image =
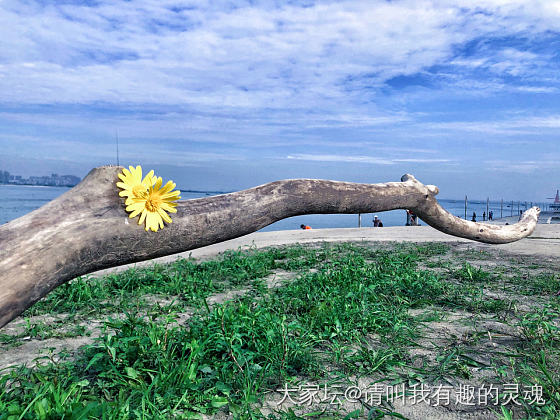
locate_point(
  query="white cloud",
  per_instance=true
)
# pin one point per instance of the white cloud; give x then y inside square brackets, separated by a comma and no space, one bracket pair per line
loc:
[275,75]
[362,159]
[527,125]
[341,158]
[253,56]
[521,166]
[416,160]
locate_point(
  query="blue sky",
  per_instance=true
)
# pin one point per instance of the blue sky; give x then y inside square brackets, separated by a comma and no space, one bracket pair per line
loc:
[226,95]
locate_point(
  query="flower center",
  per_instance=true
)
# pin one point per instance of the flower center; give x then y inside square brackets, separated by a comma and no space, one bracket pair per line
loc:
[152,204]
[139,191]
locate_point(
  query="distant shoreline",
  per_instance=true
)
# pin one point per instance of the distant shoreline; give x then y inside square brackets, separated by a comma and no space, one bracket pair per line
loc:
[34,185]
[203,192]
[72,186]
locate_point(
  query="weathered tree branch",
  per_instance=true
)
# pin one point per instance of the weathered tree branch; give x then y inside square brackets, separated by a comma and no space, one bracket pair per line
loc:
[87,229]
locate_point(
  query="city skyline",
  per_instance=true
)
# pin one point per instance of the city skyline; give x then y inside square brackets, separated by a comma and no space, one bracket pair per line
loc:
[53,180]
[223,97]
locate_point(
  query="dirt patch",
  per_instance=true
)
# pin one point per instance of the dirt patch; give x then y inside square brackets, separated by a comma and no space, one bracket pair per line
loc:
[63,335]
[225,296]
[41,351]
[278,277]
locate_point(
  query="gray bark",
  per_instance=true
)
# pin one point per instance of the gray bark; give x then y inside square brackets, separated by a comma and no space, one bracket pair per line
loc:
[87,229]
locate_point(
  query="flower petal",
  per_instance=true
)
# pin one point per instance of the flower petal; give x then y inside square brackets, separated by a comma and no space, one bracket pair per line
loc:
[152,221]
[172,194]
[164,215]
[135,206]
[148,180]
[168,187]
[135,213]
[167,207]
[143,217]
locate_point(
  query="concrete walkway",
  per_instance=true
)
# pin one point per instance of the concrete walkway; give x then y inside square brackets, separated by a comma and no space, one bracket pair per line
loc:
[544,242]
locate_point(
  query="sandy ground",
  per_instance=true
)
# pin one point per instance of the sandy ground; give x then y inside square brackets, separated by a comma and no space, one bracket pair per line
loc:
[544,242]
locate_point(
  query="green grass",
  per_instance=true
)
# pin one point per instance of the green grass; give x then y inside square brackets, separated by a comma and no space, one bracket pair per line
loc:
[468,273]
[350,316]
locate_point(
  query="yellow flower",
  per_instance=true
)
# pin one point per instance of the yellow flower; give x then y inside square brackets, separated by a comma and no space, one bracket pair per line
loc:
[153,207]
[133,186]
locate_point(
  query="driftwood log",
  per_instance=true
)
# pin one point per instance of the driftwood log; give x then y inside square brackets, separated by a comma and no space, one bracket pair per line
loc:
[87,229]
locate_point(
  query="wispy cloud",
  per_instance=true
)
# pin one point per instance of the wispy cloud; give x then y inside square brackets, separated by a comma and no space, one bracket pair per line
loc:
[416,160]
[381,83]
[506,125]
[521,166]
[362,159]
[253,55]
[339,158]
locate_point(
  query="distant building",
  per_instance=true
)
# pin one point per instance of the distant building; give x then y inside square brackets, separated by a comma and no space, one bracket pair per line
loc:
[54,180]
[4,177]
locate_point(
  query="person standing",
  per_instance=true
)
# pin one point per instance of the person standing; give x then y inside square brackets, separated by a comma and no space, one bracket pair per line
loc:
[473,216]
